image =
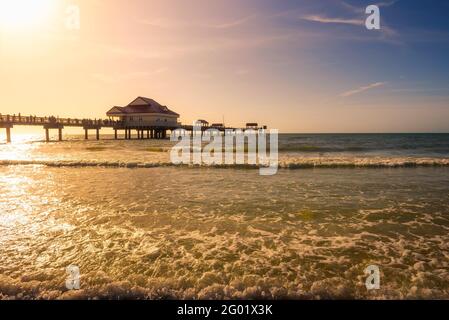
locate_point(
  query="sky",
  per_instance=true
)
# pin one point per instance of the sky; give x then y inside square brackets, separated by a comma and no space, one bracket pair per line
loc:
[294,65]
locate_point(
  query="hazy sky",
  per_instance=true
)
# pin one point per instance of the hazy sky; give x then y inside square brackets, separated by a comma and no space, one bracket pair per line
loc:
[295,65]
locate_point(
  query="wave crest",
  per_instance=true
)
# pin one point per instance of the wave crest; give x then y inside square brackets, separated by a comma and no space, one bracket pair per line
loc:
[283,164]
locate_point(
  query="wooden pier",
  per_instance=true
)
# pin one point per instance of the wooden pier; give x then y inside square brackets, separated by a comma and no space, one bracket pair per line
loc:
[55,123]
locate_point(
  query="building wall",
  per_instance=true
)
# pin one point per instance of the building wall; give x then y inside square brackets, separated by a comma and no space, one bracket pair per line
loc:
[143,120]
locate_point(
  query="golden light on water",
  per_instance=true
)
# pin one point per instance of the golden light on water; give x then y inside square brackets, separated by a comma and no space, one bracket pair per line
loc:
[20,148]
[25,15]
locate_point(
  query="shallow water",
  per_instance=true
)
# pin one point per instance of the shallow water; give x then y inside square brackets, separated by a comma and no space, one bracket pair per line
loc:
[178,232]
[217,233]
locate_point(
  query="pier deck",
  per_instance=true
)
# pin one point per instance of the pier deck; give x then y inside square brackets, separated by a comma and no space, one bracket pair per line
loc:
[152,132]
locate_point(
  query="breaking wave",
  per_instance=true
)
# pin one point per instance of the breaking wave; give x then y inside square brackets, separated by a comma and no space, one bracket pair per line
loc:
[283,164]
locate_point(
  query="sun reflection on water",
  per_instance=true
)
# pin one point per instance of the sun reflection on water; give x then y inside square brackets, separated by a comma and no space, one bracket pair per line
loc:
[21,148]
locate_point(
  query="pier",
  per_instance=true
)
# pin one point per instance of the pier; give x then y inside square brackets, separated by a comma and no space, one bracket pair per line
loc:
[53,123]
[142,130]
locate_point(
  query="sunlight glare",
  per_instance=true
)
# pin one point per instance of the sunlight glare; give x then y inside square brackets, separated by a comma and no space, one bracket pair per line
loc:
[20,15]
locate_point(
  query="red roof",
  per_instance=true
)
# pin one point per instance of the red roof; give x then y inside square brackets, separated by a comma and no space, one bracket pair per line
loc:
[144,105]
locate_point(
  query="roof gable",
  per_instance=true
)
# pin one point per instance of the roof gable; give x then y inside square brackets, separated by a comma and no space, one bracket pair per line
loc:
[142,101]
[142,105]
[115,110]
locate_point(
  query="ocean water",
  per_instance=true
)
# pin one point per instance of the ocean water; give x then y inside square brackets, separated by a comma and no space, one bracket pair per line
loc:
[139,227]
[295,151]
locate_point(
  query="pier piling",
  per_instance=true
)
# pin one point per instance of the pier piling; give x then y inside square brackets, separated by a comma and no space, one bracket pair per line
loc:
[8,135]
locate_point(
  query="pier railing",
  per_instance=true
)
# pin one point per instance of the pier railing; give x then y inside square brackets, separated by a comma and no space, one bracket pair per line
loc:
[34,120]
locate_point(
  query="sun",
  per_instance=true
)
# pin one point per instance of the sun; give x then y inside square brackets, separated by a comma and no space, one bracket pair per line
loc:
[20,15]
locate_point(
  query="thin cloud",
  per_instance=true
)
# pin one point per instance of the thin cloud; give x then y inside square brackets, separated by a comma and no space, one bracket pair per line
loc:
[361,9]
[234,23]
[167,23]
[115,78]
[322,19]
[387,32]
[386,3]
[362,89]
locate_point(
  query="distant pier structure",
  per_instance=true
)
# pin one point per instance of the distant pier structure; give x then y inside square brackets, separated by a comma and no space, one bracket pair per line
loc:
[146,117]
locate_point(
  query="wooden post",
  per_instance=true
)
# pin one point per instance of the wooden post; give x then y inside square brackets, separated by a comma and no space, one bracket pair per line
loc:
[98,134]
[60,134]
[8,135]
[47,135]
[86,134]
[148,134]
[152,134]
[115,134]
